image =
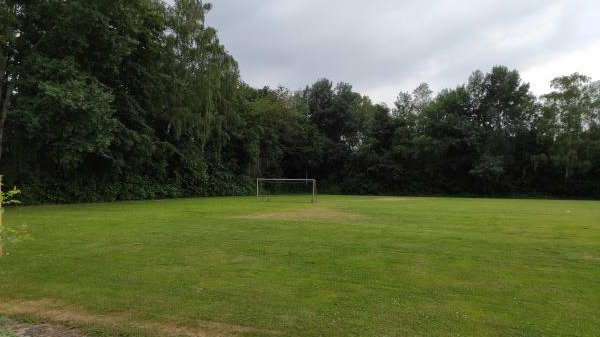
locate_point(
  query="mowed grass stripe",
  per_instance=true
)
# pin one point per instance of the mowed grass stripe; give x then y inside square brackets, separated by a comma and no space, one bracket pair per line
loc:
[365,266]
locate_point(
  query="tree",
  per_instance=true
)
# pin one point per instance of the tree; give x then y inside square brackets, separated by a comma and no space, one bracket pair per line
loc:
[204,77]
[70,115]
[280,137]
[9,34]
[372,168]
[407,104]
[319,98]
[447,141]
[502,111]
[570,117]
[342,116]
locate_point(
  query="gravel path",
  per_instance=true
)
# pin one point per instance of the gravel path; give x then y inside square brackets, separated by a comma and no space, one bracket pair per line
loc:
[37,330]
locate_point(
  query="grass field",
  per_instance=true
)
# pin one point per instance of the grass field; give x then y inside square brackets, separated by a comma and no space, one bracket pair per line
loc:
[347,266]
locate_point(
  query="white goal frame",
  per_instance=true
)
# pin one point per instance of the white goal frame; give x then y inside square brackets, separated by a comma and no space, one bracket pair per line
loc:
[312,181]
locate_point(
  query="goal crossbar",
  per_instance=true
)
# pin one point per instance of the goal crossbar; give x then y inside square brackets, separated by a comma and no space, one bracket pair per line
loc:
[312,181]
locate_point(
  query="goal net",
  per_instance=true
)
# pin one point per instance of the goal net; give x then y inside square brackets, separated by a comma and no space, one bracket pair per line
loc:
[300,190]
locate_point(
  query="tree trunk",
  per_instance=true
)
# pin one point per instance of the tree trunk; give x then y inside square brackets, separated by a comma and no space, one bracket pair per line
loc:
[7,84]
[1,223]
[4,110]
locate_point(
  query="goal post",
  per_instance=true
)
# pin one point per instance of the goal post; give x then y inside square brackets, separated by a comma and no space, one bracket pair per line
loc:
[272,187]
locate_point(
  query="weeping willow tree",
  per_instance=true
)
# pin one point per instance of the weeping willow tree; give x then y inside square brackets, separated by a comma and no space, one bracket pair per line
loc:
[204,76]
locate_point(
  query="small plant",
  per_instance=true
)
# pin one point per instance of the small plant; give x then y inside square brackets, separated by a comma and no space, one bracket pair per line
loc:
[9,235]
[6,333]
[8,198]
[4,330]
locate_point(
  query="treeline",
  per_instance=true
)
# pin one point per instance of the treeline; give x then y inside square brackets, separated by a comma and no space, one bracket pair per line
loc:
[116,100]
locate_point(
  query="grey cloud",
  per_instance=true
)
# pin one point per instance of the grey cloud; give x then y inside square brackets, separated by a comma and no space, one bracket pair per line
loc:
[382,43]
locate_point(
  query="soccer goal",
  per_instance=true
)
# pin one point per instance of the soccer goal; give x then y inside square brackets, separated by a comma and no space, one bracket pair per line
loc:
[268,189]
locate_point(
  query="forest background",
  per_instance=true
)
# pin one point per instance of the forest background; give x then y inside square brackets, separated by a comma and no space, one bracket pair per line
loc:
[120,100]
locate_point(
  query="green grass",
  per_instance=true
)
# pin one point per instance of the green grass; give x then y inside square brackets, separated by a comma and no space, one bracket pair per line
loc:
[4,332]
[347,266]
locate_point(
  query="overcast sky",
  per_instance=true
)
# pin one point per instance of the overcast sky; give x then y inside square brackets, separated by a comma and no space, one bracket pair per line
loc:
[383,47]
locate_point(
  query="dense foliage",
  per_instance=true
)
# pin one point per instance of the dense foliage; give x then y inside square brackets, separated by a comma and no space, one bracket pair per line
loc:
[113,100]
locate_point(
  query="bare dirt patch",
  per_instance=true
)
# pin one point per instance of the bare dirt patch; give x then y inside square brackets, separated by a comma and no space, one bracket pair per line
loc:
[309,213]
[39,330]
[392,199]
[60,317]
[592,258]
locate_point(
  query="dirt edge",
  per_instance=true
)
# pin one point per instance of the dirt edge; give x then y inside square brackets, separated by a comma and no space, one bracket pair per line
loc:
[62,320]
